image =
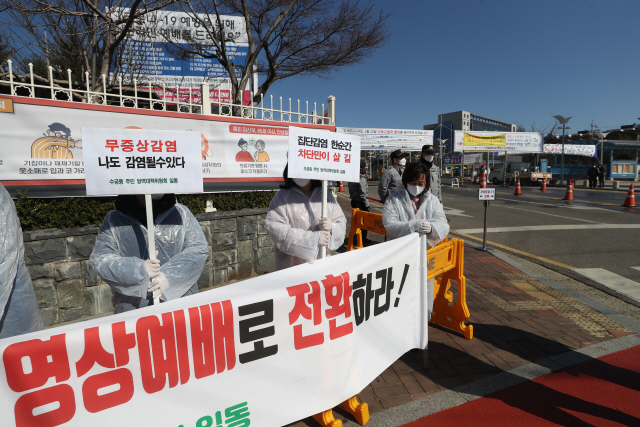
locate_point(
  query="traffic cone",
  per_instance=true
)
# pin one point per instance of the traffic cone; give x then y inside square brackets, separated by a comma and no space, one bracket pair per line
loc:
[483,181]
[630,201]
[341,189]
[543,186]
[518,191]
[569,194]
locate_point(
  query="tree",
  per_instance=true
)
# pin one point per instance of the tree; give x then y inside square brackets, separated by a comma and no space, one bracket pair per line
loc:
[63,31]
[287,38]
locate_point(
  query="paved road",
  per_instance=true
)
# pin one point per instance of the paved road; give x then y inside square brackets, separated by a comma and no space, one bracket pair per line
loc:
[592,235]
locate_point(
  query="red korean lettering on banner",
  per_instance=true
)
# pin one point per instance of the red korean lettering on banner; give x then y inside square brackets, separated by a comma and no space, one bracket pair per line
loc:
[29,365]
[337,293]
[142,146]
[301,308]
[112,143]
[126,145]
[171,146]
[156,146]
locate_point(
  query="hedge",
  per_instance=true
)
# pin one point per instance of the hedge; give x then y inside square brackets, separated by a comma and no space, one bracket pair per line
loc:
[38,214]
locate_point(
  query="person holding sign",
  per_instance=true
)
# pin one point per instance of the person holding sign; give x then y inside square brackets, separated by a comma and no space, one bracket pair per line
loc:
[121,256]
[295,223]
[19,312]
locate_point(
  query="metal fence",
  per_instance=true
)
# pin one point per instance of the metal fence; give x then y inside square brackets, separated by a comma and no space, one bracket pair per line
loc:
[137,95]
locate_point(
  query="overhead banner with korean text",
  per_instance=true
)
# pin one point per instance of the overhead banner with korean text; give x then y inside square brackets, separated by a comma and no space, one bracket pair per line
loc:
[511,142]
[391,139]
[571,149]
[41,145]
[266,351]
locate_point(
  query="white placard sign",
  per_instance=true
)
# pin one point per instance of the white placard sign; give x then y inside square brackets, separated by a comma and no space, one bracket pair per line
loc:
[571,149]
[511,142]
[322,155]
[140,161]
[486,194]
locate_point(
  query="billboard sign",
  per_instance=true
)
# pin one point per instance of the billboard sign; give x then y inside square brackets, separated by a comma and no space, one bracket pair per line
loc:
[511,142]
[571,149]
[390,139]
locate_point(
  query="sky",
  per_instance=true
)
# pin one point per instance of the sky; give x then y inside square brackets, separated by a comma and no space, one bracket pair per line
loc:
[512,60]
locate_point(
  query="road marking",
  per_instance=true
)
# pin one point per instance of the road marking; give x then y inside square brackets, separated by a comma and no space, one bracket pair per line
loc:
[454,212]
[612,281]
[510,249]
[551,228]
[545,213]
[635,268]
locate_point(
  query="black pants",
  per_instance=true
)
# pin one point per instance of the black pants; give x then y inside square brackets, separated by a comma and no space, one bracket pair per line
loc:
[358,204]
[593,182]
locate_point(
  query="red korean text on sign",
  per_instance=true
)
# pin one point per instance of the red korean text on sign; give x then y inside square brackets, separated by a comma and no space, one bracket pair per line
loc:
[337,293]
[47,359]
[302,309]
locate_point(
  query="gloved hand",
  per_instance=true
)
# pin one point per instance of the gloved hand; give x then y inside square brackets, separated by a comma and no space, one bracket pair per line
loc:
[324,238]
[324,224]
[152,267]
[424,227]
[158,285]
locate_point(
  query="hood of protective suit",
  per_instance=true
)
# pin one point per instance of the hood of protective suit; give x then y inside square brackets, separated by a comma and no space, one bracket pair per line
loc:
[400,218]
[19,313]
[121,248]
[128,204]
[292,222]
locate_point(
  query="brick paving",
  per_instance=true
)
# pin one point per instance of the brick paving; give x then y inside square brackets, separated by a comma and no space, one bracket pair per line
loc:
[516,319]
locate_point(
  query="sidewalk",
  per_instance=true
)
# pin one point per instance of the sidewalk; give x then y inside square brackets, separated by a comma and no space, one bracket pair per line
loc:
[518,320]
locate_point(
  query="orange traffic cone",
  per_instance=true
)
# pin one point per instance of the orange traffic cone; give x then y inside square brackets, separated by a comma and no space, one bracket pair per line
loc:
[630,201]
[518,191]
[483,181]
[569,194]
[543,186]
[341,189]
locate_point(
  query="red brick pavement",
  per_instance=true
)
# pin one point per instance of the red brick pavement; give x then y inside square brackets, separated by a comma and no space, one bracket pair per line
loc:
[510,330]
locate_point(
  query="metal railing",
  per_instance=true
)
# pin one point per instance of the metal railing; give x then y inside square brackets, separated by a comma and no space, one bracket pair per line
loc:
[137,95]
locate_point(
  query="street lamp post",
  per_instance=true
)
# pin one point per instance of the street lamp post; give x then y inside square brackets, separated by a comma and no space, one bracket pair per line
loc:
[563,121]
[440,144]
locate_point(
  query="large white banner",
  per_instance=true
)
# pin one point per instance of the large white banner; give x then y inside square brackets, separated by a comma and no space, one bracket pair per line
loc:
[41,143]
[317,154]
[391,139]
[267,351]
[137,161]
[511,142]
[571,149]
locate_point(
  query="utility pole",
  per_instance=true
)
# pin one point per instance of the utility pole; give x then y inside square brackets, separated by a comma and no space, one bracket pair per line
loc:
[94,44]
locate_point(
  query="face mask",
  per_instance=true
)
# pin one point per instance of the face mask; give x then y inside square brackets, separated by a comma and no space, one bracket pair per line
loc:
[157,196]
[244,148]
[402,162]
[414,190]
[301,182]
[429,158]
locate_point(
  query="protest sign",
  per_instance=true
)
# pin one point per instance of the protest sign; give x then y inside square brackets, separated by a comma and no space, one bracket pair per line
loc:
[322,155]
[511,142]
[139,161]
[266,351]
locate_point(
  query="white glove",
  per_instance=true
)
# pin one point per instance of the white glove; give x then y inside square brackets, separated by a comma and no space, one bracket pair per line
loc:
[324,224]
[324,238]
[152,267]
[158,285]
[424,227]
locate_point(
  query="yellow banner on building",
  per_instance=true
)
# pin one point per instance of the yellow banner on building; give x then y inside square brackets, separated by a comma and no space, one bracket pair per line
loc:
[485,140]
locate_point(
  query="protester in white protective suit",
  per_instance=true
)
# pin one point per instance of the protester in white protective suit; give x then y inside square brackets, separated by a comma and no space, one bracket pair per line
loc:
[121,253]
[19,312]
[413,209]
[295,223]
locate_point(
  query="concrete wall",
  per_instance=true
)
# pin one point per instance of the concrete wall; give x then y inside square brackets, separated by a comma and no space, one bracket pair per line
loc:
[68,289]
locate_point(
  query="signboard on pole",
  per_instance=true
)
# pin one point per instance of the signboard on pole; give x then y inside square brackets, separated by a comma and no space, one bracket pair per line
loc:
[511,142]
[322,155]
[390,139]
[140,161]
[486,194]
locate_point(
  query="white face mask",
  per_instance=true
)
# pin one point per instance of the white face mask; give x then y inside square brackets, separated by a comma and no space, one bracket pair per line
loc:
[429,158]
[157,196]
[402,162]
[301,182]
[414,190]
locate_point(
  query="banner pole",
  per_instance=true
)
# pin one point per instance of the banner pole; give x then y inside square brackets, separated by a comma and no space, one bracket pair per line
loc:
[323,249]
[151,233]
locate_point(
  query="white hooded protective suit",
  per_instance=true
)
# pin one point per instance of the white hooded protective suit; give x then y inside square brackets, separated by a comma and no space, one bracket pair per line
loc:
[121,248]
[292,222]
[19,312]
